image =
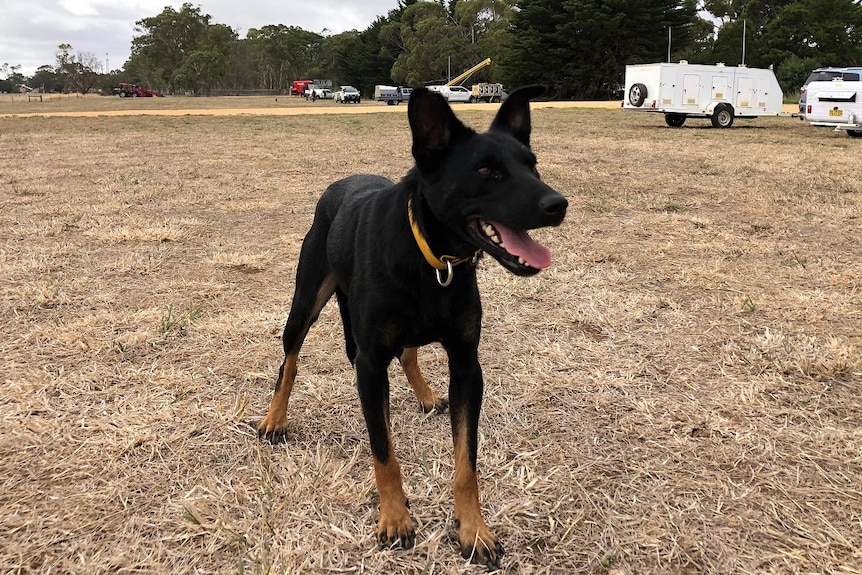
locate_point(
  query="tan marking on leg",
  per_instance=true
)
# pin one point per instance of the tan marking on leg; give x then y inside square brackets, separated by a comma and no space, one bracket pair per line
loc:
[327,288]
[273,426]
[395,525]
[475,538]
[275,421]
[426,396]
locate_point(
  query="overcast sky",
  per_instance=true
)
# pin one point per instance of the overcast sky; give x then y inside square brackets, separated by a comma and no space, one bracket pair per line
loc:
[31,30]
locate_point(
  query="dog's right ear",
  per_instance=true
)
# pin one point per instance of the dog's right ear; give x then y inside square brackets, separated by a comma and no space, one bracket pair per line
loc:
[434,126]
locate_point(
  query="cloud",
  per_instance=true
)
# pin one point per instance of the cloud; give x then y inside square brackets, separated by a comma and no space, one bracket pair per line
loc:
[31,31]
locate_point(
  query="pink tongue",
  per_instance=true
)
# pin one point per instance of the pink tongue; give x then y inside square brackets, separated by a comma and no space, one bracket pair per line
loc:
[521,244]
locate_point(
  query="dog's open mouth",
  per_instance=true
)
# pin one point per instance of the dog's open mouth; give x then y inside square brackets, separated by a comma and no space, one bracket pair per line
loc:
[515,249]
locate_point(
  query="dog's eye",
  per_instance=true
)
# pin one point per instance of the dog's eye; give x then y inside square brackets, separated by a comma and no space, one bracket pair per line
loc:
[487,172]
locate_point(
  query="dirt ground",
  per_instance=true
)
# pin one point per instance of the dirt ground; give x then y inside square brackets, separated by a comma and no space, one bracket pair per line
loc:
[678,393]
[81,107]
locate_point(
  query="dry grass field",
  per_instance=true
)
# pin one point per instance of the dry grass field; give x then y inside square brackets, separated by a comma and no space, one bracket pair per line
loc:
[680,393]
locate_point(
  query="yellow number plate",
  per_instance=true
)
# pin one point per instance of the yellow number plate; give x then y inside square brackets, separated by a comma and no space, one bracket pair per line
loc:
[836,112]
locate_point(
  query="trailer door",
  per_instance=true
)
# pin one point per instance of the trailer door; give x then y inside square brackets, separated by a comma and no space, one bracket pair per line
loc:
[745,97]
[690,89]
[719,88]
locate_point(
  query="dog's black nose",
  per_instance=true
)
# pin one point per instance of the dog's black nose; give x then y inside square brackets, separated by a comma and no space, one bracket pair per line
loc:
[554,205]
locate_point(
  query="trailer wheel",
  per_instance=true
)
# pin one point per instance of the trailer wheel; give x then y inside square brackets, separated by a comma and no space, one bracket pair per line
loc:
[637,95]
[674,120]
[722,117]
[854,133]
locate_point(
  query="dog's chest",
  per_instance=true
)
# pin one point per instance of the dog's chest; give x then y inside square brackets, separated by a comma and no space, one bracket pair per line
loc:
[436,314]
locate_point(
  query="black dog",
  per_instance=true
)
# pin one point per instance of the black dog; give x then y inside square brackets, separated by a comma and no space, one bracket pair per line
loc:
[401,258]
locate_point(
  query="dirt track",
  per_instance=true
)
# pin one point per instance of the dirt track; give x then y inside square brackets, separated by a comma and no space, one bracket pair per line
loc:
[315,110]
[292,111]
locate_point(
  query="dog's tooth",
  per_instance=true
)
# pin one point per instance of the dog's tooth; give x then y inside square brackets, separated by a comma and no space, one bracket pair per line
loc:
[495,239]
[521,260]
[489,230]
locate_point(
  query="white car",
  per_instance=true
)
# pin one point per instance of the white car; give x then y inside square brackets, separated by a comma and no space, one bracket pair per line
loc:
[453,93]
[348,94]
[313,93]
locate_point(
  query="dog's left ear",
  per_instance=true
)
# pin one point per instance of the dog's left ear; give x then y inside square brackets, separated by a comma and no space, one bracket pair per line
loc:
[435,127]
[514,115]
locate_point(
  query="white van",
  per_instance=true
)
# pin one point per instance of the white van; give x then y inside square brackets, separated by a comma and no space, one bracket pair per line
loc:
[835,104]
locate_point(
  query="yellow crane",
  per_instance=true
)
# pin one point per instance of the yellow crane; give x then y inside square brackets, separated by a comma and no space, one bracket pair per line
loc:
[468,73]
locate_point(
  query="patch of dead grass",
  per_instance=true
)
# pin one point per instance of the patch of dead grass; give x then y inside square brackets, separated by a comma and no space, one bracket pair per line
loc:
[678,393]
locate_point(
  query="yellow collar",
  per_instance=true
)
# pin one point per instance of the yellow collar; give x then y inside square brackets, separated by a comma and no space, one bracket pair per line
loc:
[441,263]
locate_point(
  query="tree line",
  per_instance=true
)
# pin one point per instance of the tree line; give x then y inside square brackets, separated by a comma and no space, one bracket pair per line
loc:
[579,48]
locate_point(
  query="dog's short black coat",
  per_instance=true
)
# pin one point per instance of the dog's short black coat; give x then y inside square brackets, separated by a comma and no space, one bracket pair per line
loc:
[400,258]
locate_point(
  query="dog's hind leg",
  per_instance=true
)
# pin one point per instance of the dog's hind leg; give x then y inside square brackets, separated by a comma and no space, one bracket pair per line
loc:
[314,286]
[428,400]
[349,342]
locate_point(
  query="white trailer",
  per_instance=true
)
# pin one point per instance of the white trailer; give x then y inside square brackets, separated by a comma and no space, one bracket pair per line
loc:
[392,95]
[835,105]
[720,93]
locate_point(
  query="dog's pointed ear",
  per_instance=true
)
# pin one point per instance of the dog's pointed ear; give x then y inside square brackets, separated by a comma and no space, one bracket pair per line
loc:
[514,115]
[434,126]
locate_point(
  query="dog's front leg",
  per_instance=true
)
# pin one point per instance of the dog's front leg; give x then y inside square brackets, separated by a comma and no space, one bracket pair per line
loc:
[465,403]
[395,525]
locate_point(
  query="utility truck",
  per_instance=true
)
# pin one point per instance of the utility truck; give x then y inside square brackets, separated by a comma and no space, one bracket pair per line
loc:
[392,95]
[299,87]
[488,92]
[720,93]
[835,104]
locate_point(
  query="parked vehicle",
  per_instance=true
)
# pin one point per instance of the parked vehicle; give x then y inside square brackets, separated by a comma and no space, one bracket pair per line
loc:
[392,95]
[453,93]
[487,92]
[126,90]
[299,87]
[827,74]
[835,104]
[720,93]
[348,94]
[317,93]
